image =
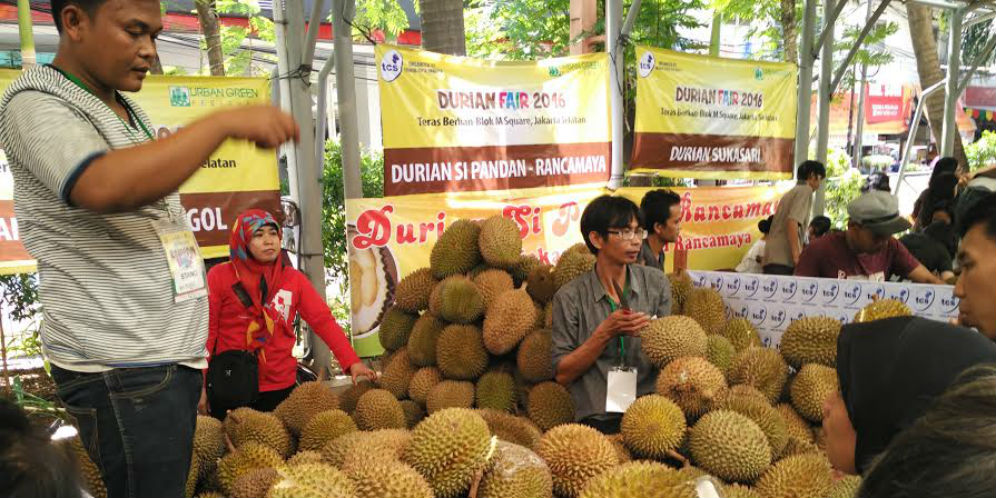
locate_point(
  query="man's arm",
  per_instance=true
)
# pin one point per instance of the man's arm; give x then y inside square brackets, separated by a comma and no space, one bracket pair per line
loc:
[579,361]
[792,232]
[125,179]
[922,275]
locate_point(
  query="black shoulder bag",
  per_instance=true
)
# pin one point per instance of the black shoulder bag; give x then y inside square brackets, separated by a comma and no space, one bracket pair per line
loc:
[233,375]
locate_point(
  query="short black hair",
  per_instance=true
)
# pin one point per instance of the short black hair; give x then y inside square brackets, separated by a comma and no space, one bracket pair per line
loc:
[877,181]
[820,225]
[810,168]
[765,225]
[656,207]
[607,212]
[88,6]
[982,211]
[30,464]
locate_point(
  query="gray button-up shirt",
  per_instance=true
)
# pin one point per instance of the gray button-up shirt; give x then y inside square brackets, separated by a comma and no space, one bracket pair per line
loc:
[650,258]
[580,306]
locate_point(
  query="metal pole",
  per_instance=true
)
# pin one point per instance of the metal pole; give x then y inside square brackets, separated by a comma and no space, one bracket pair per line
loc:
[912,132]
[833,18]
[283,90]
[805,90]
[314,24]
[321,107]
[859,138]
[717,29]
[24,27]
[857,44]
[951,84]
[613,29]
[345,87]
[825,92]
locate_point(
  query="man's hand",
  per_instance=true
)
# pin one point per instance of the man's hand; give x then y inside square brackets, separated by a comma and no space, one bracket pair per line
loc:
[359,369]
[265,125]
[202,405]
[625,322]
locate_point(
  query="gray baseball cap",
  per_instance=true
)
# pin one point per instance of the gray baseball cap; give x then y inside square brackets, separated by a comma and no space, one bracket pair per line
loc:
[878,211]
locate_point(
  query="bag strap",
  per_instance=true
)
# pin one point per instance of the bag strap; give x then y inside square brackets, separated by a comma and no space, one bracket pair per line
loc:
[242,294]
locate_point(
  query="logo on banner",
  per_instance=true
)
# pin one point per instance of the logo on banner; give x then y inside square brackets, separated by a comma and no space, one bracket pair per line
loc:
[924,299]
[769,288]
[732,286]
[788,289]
[179,96]
[717,283]
[751,285]
[758,315]
[852,293]
[900,294]
[830,289]
[758,74]
[647,63]
[949,302]
[391,65]
[777,316]
[743,313]
[877,292]
[810,290]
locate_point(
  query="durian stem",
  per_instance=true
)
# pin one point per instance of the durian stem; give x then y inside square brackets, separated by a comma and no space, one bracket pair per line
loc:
[476,483]
[228,444]
[678,456]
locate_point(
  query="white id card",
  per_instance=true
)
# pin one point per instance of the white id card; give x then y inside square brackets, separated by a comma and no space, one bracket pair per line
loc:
[184,259]
[621,389]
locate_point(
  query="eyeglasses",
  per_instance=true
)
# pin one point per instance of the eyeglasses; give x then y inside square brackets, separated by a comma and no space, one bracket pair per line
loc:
[629,234]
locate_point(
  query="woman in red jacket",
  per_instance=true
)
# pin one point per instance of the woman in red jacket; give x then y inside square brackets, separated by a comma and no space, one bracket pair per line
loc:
[261,318]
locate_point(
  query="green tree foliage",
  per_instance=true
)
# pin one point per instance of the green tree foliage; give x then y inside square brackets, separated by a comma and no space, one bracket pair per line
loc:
[380,15]
[843,184]
[982,152]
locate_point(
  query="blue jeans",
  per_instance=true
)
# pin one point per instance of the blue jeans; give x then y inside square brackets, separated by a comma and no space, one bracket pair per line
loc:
[137,424]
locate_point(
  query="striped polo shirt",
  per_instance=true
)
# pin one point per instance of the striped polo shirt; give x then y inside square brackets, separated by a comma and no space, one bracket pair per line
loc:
[105,286]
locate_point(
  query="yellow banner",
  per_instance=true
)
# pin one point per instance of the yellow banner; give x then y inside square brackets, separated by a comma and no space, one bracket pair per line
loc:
[455,123]
[238,176]
[392,237]
[708,117]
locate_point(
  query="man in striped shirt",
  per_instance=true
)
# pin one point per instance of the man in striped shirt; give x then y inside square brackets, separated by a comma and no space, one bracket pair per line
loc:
[125,319]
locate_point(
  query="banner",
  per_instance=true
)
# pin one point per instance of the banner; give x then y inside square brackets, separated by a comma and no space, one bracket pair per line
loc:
[392,237]
[238,176]
[708,117]
[461,124]
[772,302]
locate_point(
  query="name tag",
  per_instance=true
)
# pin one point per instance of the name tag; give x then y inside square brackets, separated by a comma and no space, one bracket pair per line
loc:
[186,267]
[621,389]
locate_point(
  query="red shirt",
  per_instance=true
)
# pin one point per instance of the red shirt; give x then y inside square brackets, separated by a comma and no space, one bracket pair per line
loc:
[830,257]
[229,320]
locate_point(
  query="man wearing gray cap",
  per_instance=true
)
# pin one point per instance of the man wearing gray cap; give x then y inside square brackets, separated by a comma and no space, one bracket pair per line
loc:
[867,250]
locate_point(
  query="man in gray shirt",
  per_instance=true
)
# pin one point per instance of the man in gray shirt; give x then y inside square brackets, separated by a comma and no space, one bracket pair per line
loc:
[661,212]
[788,227]
[594,327]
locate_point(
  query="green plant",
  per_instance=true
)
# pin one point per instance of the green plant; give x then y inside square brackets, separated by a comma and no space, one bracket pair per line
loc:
[876,162]
[982,152]
[843,184]
[19,297]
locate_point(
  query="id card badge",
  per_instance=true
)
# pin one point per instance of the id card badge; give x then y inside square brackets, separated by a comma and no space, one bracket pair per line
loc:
[621,389]
[186,267]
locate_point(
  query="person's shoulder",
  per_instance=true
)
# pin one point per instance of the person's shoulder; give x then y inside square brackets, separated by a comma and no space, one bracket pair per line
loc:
[576,287]
[650,276]
[220,271]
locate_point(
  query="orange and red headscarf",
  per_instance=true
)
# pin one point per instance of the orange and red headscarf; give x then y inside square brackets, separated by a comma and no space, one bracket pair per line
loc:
[260,280]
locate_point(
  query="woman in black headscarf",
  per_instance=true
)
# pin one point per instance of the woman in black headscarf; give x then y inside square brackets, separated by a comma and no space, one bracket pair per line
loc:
[889,372]
[940,188]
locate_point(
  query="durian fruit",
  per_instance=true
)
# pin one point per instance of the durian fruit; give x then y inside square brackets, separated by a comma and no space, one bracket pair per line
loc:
[526,264]
[508,427]
[762,368]
[730,446]
[209,494]
[691,382]
[412,293]
[671,337]
[458,299]
[739,491]
[243,460]
[245,424]
[351,395]
[740,391]
[798,476]
[534,357]
[763,414]
[681,288]
[414,413]
[844,487]
[720,352]
[477,270]
[882,308]
[499,242]
[209,444]
[255,484]
[811,387]
[325,427]
[422,382]
[573,262]
[811,339]
[379,409]
[460,352]
[820,439]
[540,284]
[450,394]
[395,328]
[423,340]
[706,306]
[741,333]
[313,480]
[388,479]
[192,472]
[306,456]
[456,250]
[516,472]
[398,374]
[511,317]
[549,405]
[496,390]
[89,473]
[653,427]
[304,402]
[641,479]
[449,448]
[361,447]
[621,450]
[575,453]
[491,284]
[797,446]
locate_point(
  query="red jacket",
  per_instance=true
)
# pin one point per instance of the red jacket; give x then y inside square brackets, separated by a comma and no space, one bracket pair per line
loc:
[230,319]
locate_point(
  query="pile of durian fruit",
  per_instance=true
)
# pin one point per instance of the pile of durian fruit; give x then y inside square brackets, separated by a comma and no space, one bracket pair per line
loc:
[467,406]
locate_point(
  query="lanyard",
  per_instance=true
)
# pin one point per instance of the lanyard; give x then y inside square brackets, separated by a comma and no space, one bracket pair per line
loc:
[131,114]
[622,340]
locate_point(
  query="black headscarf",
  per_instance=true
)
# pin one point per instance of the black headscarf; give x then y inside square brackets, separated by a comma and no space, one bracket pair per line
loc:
[890,371]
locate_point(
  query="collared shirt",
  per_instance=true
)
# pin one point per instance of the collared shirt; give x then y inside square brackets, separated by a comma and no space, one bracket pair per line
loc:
[796,205]
[580,306]
[830,257]
[650,258]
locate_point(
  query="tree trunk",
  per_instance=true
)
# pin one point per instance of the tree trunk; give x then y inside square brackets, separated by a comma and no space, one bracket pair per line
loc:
[790,38]
[442,26]
[929,68]
[207,16]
